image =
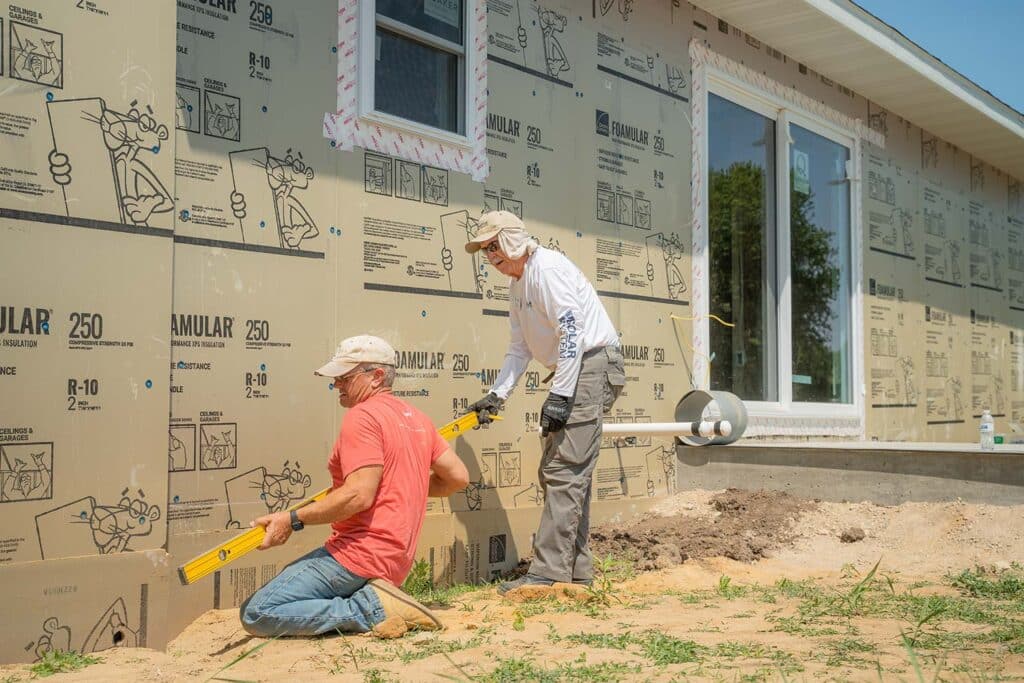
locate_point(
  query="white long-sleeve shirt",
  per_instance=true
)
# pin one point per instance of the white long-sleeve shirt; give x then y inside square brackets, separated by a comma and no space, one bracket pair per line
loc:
[556,317]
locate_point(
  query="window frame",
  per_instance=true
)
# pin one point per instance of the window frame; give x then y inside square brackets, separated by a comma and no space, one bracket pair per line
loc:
[813,417]
[367,112]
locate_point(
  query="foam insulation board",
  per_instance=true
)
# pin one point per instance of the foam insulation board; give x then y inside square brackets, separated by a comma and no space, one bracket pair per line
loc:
[86,213]
[180,247]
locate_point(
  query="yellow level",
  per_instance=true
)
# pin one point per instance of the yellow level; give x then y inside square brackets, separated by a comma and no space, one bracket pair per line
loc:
[217,557]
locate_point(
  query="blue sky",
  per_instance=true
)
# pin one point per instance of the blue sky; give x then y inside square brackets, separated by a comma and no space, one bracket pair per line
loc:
[980,39]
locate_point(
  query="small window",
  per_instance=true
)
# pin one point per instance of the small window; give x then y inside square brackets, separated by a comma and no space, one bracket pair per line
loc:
[419,66]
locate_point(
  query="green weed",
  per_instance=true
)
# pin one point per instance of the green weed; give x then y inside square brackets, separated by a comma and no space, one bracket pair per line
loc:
[420,585]
[60,661]
[1008,586]
[377,676]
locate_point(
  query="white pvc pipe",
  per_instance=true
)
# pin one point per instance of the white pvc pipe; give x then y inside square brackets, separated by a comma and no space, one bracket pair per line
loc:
[704,429]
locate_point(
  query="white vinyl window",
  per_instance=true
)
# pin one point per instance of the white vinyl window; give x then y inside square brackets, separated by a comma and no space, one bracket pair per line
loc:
[413,74]
[783,255]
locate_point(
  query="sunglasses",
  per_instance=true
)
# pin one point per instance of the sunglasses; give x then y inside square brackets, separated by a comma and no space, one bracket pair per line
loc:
[493,247]
[341,379]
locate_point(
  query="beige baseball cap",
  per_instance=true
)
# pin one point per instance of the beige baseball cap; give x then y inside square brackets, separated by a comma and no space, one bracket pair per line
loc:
[490,224]
[363,348]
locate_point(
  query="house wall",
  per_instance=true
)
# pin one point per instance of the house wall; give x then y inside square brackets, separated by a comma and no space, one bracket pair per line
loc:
[262,246]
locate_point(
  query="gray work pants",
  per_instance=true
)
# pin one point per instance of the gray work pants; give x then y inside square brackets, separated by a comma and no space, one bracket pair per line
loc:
[560,549]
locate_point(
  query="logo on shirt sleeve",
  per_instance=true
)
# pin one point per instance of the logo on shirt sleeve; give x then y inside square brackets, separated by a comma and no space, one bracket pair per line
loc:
[568,342]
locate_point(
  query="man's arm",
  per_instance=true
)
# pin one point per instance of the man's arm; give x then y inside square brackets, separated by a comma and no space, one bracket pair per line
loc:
[448,474]
[563,306]
[517,358]
[355,495]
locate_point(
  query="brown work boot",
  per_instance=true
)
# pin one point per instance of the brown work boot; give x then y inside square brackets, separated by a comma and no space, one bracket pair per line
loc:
[397,602]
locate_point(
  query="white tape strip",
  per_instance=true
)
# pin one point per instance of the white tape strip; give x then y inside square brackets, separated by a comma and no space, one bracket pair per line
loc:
[343,126]
[699,52]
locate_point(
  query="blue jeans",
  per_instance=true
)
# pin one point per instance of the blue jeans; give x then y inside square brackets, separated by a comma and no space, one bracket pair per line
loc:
[315,594]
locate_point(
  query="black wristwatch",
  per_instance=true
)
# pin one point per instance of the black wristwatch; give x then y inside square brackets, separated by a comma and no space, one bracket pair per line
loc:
[297,524]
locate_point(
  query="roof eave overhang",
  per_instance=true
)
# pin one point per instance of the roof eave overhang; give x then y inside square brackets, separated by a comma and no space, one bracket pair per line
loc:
[848,45]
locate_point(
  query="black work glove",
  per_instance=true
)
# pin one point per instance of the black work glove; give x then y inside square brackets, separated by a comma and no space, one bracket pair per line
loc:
[554,414]
[486,407]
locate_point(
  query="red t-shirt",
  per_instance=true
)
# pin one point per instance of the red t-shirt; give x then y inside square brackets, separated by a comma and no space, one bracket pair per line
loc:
[383,430]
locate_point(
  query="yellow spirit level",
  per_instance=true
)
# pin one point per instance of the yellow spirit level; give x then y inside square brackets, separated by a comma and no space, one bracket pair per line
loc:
[215,558]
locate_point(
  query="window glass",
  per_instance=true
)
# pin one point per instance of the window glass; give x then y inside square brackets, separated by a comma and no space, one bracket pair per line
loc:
[741,232]
[820,268]
[442,18]
[416,82]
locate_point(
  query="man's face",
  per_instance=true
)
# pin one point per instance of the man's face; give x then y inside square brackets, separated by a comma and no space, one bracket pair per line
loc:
[499,259]
[357,385]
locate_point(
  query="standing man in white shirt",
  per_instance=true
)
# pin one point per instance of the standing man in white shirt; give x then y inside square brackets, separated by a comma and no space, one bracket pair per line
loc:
[557,319]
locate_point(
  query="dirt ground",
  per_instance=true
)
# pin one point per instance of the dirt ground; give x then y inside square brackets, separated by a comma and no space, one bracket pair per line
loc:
[714,586]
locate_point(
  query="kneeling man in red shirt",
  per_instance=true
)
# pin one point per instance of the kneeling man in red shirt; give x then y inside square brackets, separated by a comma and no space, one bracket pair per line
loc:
[387,460]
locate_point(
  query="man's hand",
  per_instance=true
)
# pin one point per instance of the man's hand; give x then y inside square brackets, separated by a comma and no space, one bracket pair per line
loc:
[486,407]
[554,414]
[278,527]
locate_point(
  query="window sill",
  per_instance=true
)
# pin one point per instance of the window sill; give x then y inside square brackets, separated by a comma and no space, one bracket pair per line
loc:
[404,126]
[845,421]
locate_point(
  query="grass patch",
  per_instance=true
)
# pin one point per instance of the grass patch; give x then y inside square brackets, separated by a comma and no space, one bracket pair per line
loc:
[59,661]
[1006,586]
[782,661]
[608,641]
[932,623]
[377,676]
[728,590]
[420,585]
[659,648]
[421,649]
[517,669]
[843,652]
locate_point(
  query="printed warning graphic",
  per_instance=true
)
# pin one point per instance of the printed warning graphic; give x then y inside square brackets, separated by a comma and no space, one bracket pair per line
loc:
[1015,261]
[36,55]
[986,246]
[988,386]
[890,212]
[501,469]
[88,527]
[100,160]
[181,448]
[423,259]
[222,116]
[218,446]
[651,270]
[627,61]
[661,471]
[388,177]
[267,198]
[944,388]
[893,372]
[26,472]
[112,629]
[944,248]
[532,37]
[187,109]
[270,491]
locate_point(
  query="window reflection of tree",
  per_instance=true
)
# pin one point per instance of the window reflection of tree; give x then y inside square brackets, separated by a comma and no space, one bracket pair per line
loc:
[739,287]
[814,277]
